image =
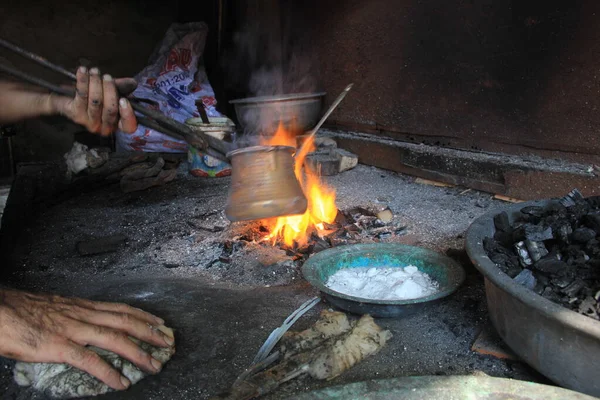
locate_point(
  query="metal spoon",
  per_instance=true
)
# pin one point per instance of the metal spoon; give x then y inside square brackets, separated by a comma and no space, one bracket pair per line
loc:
[324,117]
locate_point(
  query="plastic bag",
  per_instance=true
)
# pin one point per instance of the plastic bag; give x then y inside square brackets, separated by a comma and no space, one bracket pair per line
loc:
[175,81]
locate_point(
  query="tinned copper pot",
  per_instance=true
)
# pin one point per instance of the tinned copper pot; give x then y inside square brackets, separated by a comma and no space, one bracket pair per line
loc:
[263,184]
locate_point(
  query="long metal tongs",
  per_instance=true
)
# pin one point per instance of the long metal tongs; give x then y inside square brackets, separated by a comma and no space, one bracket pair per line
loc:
[155,119]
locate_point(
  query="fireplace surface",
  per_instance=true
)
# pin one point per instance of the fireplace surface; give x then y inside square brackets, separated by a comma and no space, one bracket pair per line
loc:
[222,310]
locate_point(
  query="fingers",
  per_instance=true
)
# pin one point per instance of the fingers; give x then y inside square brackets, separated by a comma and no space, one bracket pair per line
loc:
[82,93]
[115,341]
[110,111]
[121,308]
[128,122]
[90,362]
[95,100]
[129,324]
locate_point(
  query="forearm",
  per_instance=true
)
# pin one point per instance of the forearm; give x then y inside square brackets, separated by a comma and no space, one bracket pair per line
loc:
[17,103]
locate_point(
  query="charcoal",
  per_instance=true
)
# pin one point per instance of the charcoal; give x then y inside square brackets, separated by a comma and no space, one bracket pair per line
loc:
[563,231]
[523,254]
[574,197]
[535,233]
[320,245]
[583,235]
[500,259]
[340,219]
[526,279]
[504,238]
[592,221]
[502,222]
[563,281]
[592,248]
[551,265]
[593,201]
[551,295]
[574,288]
[543,278]
[536,250]
[513,269]
[539,287]
[534,211]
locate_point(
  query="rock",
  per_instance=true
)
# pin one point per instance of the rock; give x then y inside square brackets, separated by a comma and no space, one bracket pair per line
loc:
[323,164]
[347,160]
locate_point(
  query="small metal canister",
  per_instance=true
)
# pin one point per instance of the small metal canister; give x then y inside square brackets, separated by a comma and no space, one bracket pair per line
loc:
[263,184]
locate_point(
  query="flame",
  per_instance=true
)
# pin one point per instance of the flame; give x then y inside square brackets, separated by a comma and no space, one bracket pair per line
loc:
[321,198]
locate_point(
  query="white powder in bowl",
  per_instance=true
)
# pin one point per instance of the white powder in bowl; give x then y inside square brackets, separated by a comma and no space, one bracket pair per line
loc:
[383,283]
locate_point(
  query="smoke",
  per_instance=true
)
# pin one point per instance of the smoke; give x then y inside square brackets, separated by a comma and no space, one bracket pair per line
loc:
[267,60]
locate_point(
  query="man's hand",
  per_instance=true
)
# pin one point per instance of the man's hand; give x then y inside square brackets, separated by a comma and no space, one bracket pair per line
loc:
[54,329]
[97,105]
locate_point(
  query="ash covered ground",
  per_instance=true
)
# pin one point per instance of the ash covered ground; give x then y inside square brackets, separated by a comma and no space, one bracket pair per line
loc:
[175,235]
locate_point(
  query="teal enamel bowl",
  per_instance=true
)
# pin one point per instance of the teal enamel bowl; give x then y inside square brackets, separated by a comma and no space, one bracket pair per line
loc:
[446,272]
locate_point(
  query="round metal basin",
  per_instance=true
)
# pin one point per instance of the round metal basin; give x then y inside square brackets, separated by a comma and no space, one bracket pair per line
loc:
[318,268]
[297,112]
[443,388]
[561,344]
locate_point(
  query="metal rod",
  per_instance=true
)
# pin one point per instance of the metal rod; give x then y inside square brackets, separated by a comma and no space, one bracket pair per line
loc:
[36,81]
[324,117]
[197,139]
[38,59]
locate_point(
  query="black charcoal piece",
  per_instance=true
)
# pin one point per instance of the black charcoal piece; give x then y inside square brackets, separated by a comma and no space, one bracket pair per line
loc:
[539,287]
[551,295]
[523,254]
[535,211]
[592,221]
[574,288]
[502,222]
[572,198]
[593,201]
[592,248]
[563,281]
[536,250]
[504,238]
[525,278]
[583,235]
[551,266]
[513,270]
[320,245]
[563,232]
[535,233]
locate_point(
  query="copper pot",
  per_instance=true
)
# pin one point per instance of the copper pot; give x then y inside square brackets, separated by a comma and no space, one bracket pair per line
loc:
[263,184]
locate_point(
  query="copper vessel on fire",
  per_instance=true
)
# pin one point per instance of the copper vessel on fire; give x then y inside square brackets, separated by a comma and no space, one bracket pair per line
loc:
[263,184]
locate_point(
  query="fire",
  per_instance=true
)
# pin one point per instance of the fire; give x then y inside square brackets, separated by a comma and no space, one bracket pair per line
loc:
[321,198]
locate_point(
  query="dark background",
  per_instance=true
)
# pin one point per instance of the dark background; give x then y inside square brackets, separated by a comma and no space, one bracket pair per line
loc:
[512,76]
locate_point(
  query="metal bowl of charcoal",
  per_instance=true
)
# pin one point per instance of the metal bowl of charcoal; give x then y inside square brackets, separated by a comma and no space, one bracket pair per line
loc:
[382,279]
[541,262]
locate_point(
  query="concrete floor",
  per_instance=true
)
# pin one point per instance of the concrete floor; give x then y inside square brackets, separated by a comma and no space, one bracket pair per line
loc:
[223,312]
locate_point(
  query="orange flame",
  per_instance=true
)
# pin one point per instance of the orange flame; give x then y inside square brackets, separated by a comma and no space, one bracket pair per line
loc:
[321,198]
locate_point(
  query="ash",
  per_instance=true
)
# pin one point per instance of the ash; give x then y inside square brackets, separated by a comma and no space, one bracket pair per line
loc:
[180,230]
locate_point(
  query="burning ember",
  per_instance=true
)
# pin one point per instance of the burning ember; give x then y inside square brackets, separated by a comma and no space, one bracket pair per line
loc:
[321,198]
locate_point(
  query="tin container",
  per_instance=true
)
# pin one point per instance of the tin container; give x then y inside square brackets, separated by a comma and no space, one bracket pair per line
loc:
[263,184]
